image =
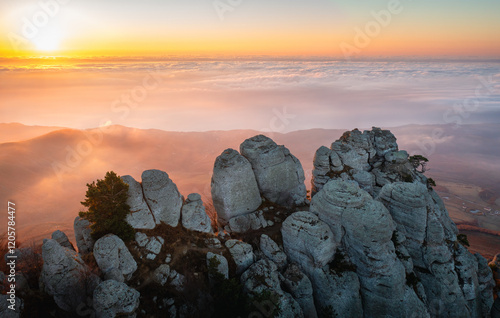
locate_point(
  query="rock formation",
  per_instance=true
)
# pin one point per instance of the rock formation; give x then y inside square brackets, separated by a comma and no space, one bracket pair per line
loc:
[65,276]
[194,216]
[83,238]
[112,299]
[375,241]
[62,239]
[242,254]
[111,253]
[140,216]
[264,276]
[234,188]
[396,231]
[162,197]
[279,174]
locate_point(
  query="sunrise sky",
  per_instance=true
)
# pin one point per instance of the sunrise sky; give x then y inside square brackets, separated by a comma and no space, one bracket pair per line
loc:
[247,27]
[107,49]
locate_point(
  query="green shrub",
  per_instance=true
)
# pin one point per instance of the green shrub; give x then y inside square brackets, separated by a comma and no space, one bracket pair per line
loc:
[408,178]
[106,201]
[431,182]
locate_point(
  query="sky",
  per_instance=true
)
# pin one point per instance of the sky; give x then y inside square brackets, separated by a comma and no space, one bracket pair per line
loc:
[278,65]
[244,27]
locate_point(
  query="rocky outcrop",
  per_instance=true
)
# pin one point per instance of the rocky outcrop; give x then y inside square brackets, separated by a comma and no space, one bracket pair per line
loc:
[368,230]
[279,174]
[376,241]
[355,150]
[83,237]
[112,299]
[272,251]
[161,274]
[111,253]
[263,276]
[397,232]
[300,287]
[65,276]
[242,254]
[140,216]
[150,247]
[234,187]
[162,197]
[248,222]
[336,294]
[61,238]
[194,217]
[307,240]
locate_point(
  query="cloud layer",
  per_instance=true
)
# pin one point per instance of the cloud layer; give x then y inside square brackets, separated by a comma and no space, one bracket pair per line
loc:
[274,95]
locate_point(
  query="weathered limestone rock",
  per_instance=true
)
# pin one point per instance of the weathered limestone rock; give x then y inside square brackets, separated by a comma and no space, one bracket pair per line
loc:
[354,154]
[162,197]
[154,247]
[301,289]
[194,217]
[355,149]
[242,254]
[161,274]
[279,174]
[61,238]
[365,180]
[407,203]
[263,276]
[110,253]
[272,251]
[368,230]
[307,240]
[251,221]
[65,276]
[337,294]
[467,267]
[329,204]
[83,237]
[234,187]
[322,169]
[112,299]
[140,216]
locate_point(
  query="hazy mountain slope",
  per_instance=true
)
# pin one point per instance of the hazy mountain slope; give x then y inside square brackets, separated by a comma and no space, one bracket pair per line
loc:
[12,132]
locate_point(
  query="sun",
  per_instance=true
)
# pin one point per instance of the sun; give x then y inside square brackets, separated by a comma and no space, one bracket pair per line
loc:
[47,42]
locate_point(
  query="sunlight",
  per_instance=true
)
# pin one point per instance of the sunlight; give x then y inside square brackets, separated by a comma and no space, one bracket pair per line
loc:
[47,42]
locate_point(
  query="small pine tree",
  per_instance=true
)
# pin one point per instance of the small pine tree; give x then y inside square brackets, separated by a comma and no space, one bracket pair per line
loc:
[106,201]
[419,160]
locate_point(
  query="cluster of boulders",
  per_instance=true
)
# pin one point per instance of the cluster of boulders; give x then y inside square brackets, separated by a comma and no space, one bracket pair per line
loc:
[262,170]
[374,241]
[157,200]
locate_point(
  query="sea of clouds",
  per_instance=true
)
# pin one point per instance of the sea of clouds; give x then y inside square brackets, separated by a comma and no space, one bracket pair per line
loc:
[200,95]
